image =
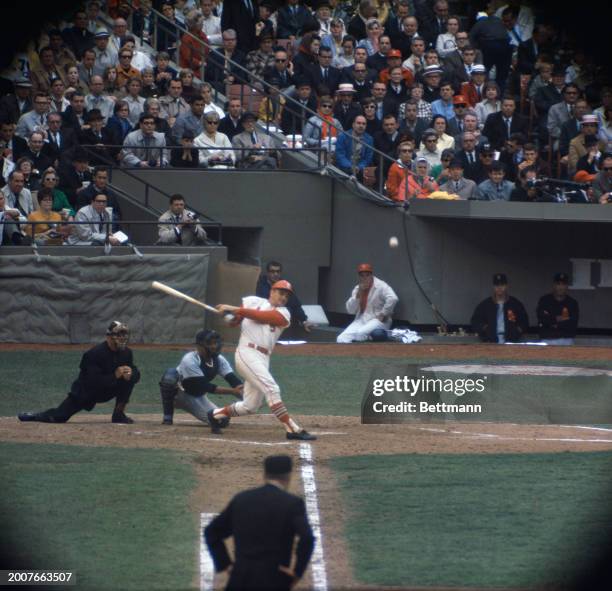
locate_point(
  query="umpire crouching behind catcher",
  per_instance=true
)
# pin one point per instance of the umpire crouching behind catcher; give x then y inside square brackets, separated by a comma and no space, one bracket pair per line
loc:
[107,372]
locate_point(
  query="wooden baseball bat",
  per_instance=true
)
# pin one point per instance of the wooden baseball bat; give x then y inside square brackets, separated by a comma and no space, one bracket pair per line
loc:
[183,296]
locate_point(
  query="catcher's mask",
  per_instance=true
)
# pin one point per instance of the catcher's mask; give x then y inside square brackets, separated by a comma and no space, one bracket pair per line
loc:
[119,333]
[211,340]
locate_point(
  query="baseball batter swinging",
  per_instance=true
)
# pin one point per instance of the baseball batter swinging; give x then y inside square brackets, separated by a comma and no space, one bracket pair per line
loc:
[188,385]
[262,322]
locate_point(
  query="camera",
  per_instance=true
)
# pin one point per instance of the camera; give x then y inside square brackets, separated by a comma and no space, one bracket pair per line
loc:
[559,191]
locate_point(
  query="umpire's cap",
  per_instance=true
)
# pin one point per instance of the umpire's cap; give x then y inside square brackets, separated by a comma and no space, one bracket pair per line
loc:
[500,279]
[277,465]
[282,284]
[561,278]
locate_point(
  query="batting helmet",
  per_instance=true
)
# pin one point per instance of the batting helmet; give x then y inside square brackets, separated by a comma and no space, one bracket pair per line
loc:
[210,339]
[283,284]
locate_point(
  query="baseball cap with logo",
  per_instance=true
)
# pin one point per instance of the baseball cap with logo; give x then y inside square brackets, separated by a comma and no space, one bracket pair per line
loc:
[459,99]
[101,34]
[394,53]
[432,70]
[500,279]
[365,268]
[582,176]
[478,69]
[561,278]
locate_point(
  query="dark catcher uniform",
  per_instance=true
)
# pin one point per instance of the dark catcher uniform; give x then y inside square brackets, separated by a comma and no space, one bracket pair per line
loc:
[96,383]
[549,308]
[490,324]
[264,522]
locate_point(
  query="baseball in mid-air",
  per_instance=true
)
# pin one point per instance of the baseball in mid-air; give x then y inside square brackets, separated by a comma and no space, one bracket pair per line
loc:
[393,242]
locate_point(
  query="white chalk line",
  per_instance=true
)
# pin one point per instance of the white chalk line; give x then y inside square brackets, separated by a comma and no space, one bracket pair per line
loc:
[319,574]
[207,567]
[582,427]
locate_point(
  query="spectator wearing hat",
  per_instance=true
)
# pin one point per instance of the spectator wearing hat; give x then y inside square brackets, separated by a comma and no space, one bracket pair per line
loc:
[578,148]
[254,149]
[474,89]
[295,114]
[97,139]
[261,59]
[602,183]
[264,539]
[456,183]
[106,55]
[432,77]
[500,318]
[558,313]
[346,109]
[13,106]
[496,188]
[354,149]
[372,301]
[500,126]
[394,60]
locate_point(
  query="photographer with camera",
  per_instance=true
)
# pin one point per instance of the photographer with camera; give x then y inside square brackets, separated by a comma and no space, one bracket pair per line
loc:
[526,189]
[602,183]
[184,230]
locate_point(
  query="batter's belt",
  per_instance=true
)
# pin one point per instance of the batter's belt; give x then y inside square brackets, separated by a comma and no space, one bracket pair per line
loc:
[258,348]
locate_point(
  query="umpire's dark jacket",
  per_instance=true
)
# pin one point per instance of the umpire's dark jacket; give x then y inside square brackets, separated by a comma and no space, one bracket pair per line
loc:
[484,320]
[97,381]
[264,522]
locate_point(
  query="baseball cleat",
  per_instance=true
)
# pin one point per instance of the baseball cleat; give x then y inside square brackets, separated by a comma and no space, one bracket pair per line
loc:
[120,417]
[301,435]
[27,416]
[215,425]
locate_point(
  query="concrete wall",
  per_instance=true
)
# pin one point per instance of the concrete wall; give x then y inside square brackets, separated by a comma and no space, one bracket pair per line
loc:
[321,231]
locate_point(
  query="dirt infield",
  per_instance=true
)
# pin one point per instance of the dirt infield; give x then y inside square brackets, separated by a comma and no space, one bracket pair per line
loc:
[228,463]
[448,351]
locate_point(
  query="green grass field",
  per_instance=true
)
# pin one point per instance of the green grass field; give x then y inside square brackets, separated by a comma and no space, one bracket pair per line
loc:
[475,520]
[310,385]
[117,517]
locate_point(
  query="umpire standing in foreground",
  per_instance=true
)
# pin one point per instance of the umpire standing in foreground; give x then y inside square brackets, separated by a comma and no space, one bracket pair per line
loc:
[107,371]
[264,522]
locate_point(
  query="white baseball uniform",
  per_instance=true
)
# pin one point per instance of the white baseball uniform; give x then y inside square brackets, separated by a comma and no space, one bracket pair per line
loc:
[381,301]
[257,340]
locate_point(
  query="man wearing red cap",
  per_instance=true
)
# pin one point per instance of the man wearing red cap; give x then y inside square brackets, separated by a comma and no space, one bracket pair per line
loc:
[394,60]
[261,324]
[372,301]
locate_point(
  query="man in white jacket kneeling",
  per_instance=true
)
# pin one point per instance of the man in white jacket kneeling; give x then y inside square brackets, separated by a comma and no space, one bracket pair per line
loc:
[372,301]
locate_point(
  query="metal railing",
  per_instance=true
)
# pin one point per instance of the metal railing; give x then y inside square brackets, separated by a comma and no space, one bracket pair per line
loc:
[62,230]
[250,79]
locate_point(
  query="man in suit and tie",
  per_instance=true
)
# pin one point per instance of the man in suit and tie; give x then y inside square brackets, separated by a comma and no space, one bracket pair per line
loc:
[74,116]
[469,157]
[77,37]
[99,186]
[294,20]
[97,137]
[13,106]
[36,119]
[323,74]
[264,522]
[529,51]
[394,25]
[94,232]
[571,128]
[500,126]
[230,125]
[12,145]
[40,161]
[282,70]
[457,184]
[561,112]
[60,142]
[253,148]
[87,67]
[241,16]
[219,70]
[295,115]
[432,27]
[144,148]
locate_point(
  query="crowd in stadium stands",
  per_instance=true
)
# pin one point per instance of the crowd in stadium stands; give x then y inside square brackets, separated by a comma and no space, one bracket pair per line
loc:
[409,99]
